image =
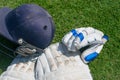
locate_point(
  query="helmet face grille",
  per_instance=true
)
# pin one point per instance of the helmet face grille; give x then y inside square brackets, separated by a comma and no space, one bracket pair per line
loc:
[32,23]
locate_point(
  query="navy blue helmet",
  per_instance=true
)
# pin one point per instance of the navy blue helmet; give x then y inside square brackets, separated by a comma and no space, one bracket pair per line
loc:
[30,22]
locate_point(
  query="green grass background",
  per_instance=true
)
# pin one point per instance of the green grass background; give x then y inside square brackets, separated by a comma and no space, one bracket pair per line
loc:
[69,14]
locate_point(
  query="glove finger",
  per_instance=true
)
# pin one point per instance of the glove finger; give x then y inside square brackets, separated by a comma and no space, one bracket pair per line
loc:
[89,30]
[80,38]
[71,42]
[99,32]
[79,44]
[94,34]
[99,48]
[83,32]
[91,53]
[93,37]
[101,36]
[66,38]
[79,30]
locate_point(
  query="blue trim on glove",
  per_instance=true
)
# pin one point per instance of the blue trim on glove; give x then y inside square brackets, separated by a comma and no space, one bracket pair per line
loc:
[105,37]
[91,56]
[80,35]
[74,32]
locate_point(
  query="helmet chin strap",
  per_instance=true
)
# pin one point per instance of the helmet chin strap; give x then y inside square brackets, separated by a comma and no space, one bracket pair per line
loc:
[26,49]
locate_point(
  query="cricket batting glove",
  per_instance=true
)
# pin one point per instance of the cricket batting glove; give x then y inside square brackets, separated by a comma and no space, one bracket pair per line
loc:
[88,40]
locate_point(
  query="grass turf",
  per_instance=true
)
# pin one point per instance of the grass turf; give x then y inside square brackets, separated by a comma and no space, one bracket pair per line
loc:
[69,14]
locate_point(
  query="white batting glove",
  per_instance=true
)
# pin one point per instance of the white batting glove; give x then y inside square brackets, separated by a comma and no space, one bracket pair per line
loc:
[89,39]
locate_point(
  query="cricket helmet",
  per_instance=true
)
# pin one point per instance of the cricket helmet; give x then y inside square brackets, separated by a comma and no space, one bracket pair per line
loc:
[30,22]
